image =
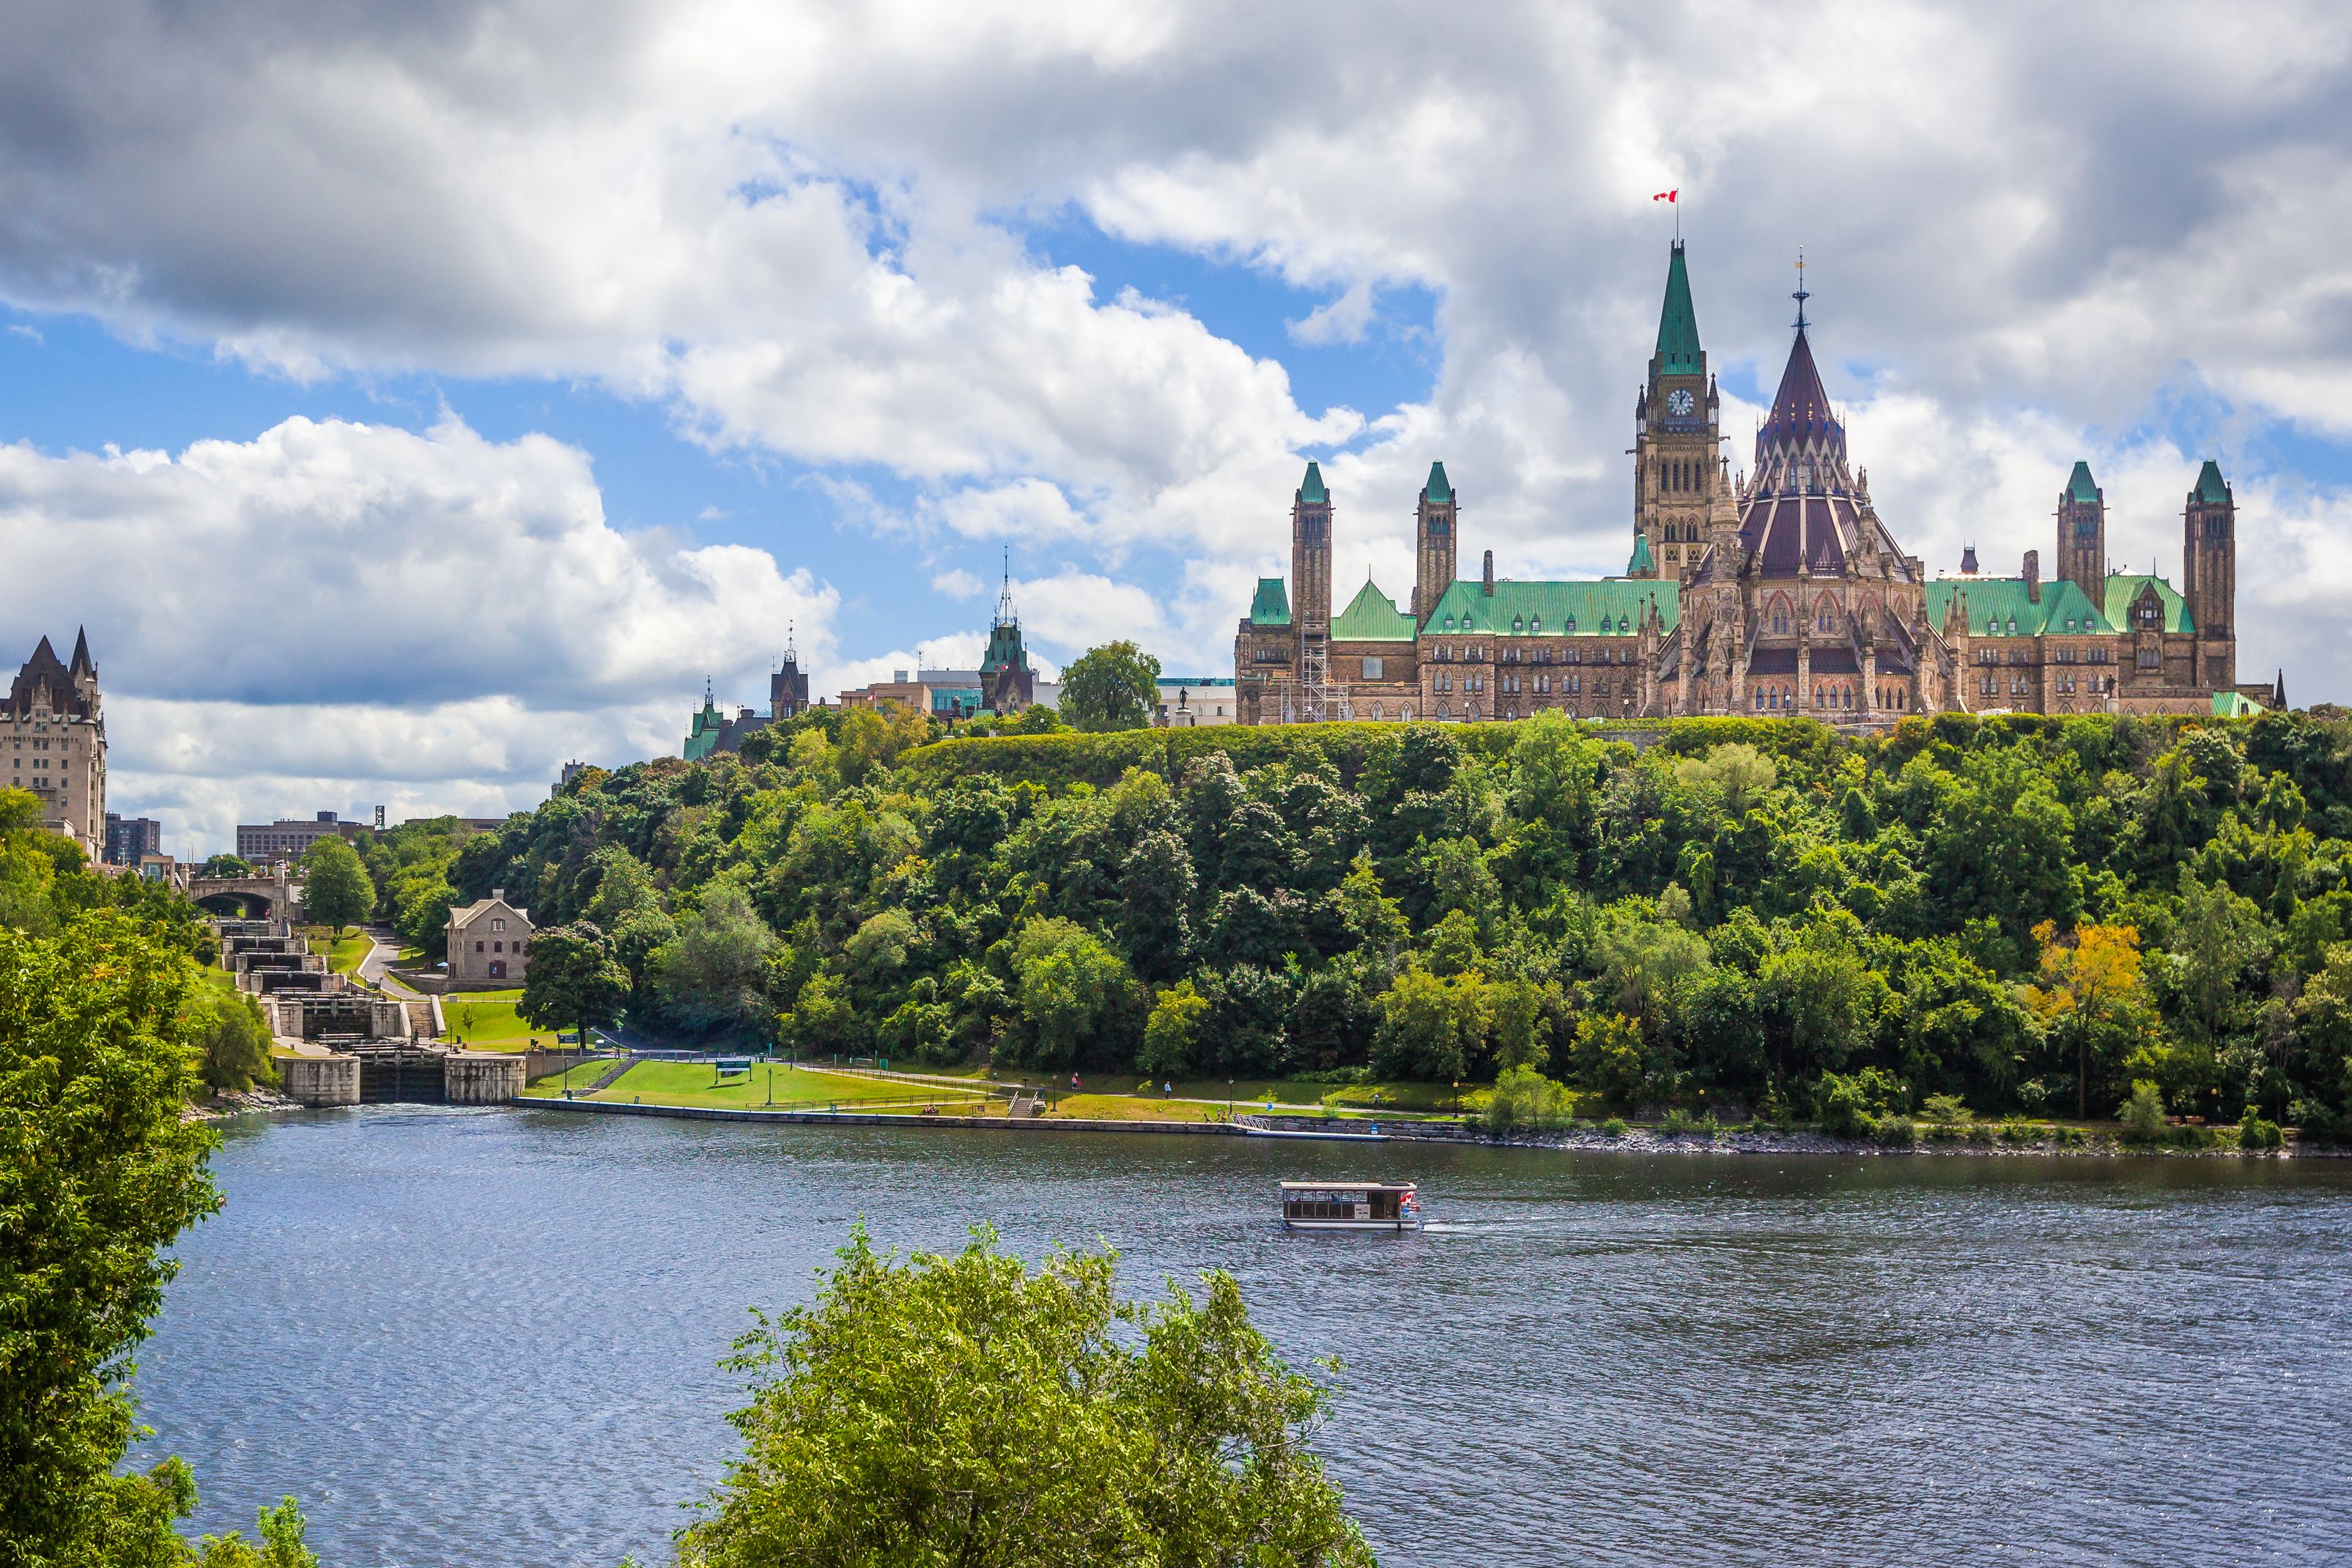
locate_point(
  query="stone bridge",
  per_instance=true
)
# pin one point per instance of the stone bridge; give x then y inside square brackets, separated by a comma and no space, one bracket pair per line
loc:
[274,896]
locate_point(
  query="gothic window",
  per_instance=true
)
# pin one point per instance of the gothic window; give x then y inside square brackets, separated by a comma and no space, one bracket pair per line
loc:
[1404,712]
[1441,711]
[1780,620]
[1759,703]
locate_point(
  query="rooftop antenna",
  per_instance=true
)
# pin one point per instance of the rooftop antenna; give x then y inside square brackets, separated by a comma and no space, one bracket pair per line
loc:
[1803,294]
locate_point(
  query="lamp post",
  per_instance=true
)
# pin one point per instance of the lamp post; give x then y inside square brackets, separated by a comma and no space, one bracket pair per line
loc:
[1229,1099]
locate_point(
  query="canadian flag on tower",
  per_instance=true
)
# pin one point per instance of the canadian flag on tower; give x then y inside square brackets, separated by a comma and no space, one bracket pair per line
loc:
[1667,196]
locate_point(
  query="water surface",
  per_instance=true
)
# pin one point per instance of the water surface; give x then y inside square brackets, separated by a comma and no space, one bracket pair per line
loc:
[490,1336]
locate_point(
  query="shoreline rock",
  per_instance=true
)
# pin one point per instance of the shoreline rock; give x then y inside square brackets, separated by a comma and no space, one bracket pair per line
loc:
[255,1102]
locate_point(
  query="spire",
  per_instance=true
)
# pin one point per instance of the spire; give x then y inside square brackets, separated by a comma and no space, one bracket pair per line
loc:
[1678,350]
[1311,491]
[1643,564]
[2211,486]
[791,645]
[1437,489]
[2080,486]
[1803,294]
[1006,614]
[82,661]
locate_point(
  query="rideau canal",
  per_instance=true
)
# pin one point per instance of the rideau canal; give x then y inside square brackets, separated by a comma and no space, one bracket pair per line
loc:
[491,1336]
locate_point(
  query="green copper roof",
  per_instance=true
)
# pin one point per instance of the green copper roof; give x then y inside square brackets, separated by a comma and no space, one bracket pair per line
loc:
[2080,485]
[1272,606]
[1643,564]
[2210,486]
[1996,604]
[2230,705]
[1608,608]
[1311,491]
[1437,489]
[2123,587]
[1371,616]
[1678,352]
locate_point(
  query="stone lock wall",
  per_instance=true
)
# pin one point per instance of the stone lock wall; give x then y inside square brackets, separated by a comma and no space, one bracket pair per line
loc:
[320,1080]
[482,1078]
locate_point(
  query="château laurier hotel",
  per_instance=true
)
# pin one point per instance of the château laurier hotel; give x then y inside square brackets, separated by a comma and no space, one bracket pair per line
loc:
[1776,591]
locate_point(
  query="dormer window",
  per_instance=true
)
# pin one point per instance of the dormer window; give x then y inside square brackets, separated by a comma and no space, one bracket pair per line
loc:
[2013,625]
[1517,625]
[1571,626]
[1536,626]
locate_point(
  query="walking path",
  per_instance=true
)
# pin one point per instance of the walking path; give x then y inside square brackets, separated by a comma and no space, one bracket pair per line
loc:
[376,968]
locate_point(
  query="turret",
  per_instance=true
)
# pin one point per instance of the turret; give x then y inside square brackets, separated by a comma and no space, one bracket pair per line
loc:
[1310,555]
[1676,465]
[1434,528]
[2082,557]
[2210,576]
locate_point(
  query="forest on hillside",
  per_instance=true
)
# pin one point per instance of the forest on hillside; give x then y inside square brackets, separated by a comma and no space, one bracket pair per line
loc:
[2030,914]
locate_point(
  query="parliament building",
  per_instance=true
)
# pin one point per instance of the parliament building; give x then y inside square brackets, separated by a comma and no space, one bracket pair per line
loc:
[1778,591]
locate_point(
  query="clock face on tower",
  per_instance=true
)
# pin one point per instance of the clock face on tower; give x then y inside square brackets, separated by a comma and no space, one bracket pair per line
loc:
[1679,402]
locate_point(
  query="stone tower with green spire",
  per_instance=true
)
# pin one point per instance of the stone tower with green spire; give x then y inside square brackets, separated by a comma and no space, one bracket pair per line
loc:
[1676,472]
[2208,577]
[1310,566]
[1436,524]
[2083,534]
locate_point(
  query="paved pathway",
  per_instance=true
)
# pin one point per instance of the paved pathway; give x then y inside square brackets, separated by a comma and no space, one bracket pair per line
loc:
[376,969]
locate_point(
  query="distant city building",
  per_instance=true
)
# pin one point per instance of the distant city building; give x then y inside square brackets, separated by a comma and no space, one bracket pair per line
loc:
[129,837]
[55,738]
[489,940]
[1193,700]
[289,838]
[163,868]
[711,730]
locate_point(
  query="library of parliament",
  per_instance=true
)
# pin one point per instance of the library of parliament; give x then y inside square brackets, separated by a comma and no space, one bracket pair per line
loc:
[1778,591]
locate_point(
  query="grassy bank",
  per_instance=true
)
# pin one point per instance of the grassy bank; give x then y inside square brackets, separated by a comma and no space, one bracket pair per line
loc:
[695,1083]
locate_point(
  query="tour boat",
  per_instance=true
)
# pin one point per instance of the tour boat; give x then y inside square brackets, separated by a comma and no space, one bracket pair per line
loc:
[1350,1205]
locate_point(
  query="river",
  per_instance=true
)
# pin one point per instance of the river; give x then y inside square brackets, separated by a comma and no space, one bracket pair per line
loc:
[491,1337]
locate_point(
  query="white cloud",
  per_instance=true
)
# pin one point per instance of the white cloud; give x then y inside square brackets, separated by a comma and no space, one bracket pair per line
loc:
[1340,320]
[352,607]
[958,583]
[801,230]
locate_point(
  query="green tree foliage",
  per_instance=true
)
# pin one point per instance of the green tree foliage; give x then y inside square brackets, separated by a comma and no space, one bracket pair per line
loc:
[1716,919]
[335,887]
[226,865]
[1114,687]
[1524,1099]
[233,1040]
[98,1174]
[573,980]
[713,972]
[964,1409]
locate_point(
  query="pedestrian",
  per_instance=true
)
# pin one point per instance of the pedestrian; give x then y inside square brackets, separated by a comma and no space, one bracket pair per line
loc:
[1073,1083]
[1167,1089]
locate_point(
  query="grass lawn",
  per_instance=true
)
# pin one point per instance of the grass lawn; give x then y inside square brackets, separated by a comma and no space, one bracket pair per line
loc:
[487,1020]
[345,954]
[690,1083]
[1134,1108]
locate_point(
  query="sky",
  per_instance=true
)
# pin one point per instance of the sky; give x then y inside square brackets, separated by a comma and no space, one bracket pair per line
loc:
[409,399]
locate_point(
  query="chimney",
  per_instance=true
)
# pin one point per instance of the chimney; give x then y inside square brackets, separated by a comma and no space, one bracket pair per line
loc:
[2033,575]
[1487,581]
[498,892]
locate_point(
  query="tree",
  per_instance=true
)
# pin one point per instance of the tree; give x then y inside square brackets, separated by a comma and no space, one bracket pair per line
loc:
[1114,687]
[98,1174]
[226,866]
[1068,984]
[1432,1027]
[2090,982]
[1170,1033]
[574,979]
[963,1410]
[712,974]
[335,887]
[234,1041]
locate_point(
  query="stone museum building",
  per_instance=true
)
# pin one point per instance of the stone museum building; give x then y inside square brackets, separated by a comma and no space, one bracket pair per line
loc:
[1773,590]
[488,940]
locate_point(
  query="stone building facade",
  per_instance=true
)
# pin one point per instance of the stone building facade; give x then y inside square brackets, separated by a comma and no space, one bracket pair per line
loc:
[53,738]
[489,941]
[1777,590]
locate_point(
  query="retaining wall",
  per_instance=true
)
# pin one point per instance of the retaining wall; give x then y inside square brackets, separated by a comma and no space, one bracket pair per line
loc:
[319,1080]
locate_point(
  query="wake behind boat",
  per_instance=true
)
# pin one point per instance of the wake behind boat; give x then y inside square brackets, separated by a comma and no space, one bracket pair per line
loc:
[1350,1205]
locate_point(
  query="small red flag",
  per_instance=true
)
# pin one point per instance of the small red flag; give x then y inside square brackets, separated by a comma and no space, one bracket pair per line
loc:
[1668,195]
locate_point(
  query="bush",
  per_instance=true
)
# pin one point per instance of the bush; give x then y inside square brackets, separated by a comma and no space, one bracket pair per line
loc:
[1945,1110]
[2143,1115]
[1677,1122]
[1613,1128]
[1852,1105]
[1525,1098]
[1893,1130]
[2253,1133]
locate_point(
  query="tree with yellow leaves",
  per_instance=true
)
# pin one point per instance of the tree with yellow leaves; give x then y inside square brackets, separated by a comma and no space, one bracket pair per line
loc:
[2090,985]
